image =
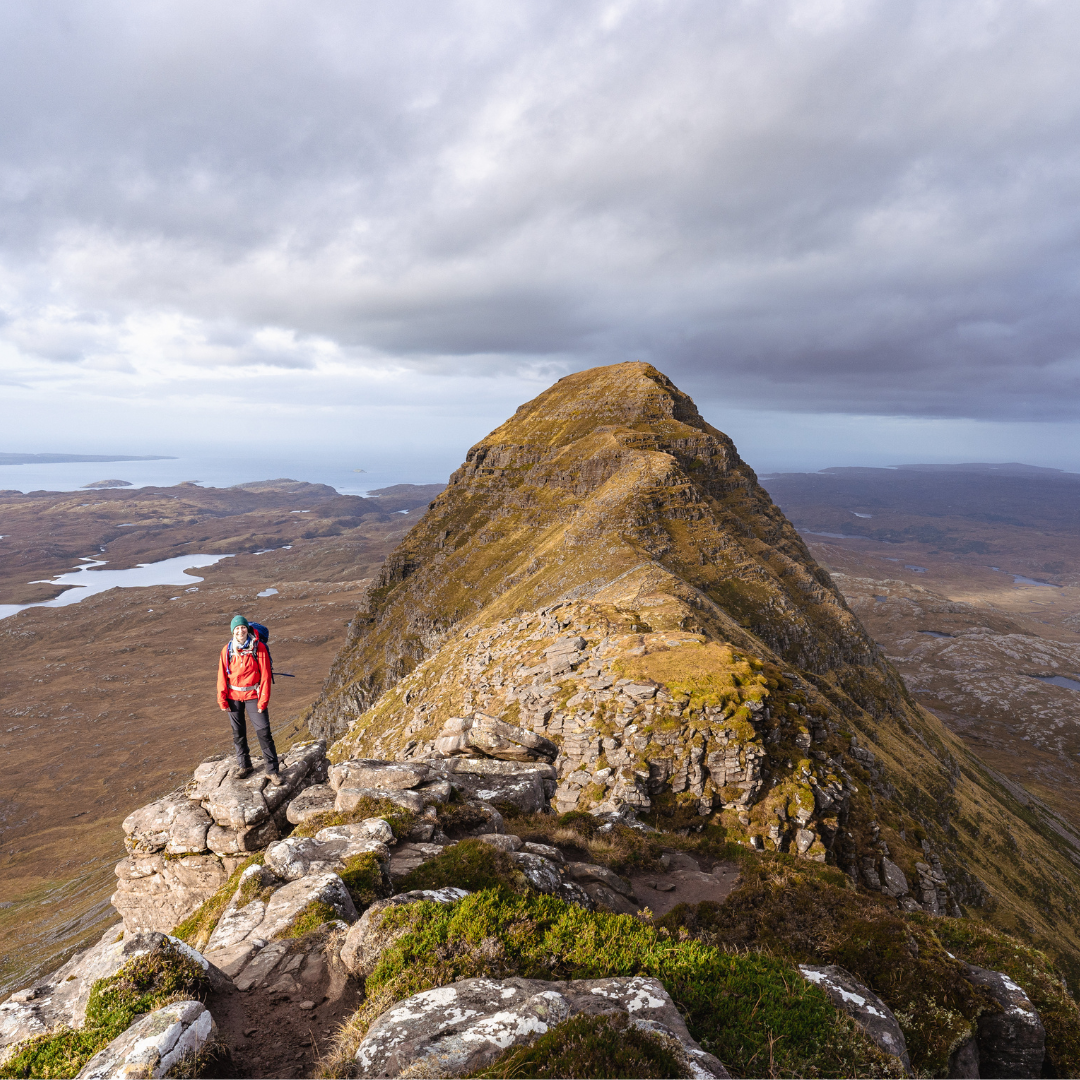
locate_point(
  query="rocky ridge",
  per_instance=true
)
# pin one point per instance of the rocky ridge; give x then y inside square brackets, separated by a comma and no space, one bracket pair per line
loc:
[558,806]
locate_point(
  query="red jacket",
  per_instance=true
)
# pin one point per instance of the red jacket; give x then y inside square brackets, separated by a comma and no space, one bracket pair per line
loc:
[244,676]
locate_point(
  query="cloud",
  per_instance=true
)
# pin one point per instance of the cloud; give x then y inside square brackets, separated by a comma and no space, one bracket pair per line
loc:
[824,206]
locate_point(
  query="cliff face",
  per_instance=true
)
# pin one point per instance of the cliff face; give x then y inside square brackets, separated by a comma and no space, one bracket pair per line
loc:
[606,572]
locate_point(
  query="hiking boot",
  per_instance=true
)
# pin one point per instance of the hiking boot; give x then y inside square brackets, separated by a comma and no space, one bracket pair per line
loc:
[242,772]
[276,778]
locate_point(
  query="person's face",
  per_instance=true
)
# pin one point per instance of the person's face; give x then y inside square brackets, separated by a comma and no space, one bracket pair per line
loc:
[240,635]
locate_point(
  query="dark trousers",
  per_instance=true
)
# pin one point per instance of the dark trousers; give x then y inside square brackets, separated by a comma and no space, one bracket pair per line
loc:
[260,721]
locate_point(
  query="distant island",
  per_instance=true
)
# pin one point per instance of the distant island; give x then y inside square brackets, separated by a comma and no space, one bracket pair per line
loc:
[65,459]
[108,484]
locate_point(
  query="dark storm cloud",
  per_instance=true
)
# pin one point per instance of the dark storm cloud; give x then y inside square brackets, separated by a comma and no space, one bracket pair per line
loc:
[861,207]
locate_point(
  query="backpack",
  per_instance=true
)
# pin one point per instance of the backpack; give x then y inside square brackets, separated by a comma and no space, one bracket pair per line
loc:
[263,634]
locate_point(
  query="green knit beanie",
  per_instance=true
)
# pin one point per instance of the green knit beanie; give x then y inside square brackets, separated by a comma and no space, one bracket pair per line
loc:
[238,620]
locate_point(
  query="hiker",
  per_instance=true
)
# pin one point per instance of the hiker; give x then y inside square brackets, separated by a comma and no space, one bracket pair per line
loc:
[244,679]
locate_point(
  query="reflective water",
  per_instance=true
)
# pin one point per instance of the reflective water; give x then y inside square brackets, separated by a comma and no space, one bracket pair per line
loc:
[88,580]
[267,592]
[1058,680]
[934,633]
[1019,579]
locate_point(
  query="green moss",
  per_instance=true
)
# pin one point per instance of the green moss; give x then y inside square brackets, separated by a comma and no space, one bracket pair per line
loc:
[363,877]
[753,1011]
[310,918]
[593,1046]
[142,985]
[470,864]
[199,925]
[810,914]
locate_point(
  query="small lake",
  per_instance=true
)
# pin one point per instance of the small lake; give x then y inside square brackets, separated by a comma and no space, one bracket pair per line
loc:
[1058,680]
[1019,579]
[88,580]
[934,633]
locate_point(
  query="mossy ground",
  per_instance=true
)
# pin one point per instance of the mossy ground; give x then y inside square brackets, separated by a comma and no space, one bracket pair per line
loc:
[604,1046]
[753,1011]
[812,914]
[146,983]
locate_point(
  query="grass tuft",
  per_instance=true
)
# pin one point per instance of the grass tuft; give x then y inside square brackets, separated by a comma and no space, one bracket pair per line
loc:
[469,864]
[308,919]
[363,877]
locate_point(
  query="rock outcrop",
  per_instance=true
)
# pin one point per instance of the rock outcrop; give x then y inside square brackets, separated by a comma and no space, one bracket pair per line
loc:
[862,1005]
[184,847]
[155,1044]
[460,1029]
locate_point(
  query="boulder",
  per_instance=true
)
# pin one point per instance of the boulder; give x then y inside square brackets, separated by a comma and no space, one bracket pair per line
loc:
[545,876]
[312,801]
[460,1029]
[545,851]
[863,1006]
[225,841]
[294,858]
[155,1043]
[384,775]
[349,797]
[895,883]
[493,738]
[367,939]
[155,893]
[588,873]
[502,841]
[405,858]
[1013,1041]
[266,919]
[523,790]
[173,824]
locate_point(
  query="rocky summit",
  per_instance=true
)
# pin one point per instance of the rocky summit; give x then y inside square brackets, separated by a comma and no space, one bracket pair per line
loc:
[606,781]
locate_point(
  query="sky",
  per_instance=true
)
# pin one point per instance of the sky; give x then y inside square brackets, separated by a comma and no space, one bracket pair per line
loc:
[850,230]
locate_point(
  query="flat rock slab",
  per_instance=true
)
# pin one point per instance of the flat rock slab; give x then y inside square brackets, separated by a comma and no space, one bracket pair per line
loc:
[294,857]
[386,775]
[174,824]
[459,1029]
[690,887]
[154,1044]
[349,796]
[863,1006]
[525,790]
[315,800]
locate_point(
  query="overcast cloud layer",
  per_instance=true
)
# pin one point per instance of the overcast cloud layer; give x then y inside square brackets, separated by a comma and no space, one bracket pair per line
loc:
[399,220]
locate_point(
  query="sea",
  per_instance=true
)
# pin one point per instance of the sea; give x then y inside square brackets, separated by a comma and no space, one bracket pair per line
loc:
[349,475]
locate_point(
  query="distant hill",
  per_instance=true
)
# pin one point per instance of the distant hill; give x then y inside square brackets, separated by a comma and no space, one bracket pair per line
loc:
[63,459]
